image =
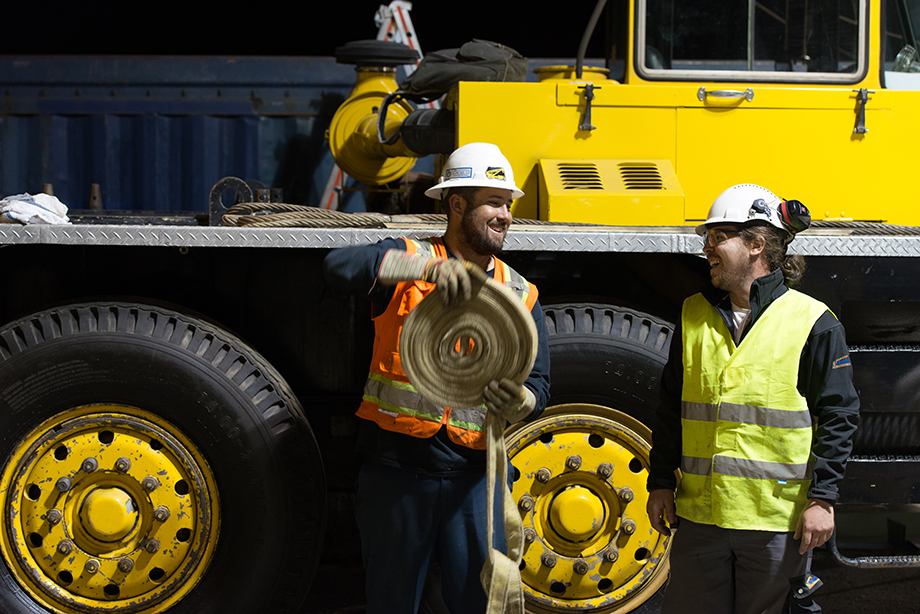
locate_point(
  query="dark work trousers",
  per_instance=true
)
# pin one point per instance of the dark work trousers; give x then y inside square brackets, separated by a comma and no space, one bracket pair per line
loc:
[407,518]
[728,571]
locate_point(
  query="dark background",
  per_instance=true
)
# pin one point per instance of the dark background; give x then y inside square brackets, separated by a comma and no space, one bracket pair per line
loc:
[273,27]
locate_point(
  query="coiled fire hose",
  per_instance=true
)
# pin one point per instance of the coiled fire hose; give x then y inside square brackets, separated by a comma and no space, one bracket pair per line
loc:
[450,354]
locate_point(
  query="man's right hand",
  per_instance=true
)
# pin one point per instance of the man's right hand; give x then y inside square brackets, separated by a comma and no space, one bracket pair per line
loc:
[451,278]
[661,505]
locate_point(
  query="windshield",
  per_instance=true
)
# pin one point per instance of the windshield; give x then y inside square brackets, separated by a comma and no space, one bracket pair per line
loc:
[774,40]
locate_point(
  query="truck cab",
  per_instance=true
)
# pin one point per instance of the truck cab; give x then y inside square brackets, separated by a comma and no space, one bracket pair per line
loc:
[817,99]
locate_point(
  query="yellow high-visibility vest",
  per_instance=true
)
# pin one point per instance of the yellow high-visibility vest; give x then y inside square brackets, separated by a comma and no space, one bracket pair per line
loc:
[746,430]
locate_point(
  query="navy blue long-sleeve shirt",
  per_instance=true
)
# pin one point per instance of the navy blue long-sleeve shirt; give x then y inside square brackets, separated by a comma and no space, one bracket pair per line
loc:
[354,270]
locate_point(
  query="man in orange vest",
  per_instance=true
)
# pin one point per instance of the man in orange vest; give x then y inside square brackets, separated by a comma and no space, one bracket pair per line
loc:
[421,491]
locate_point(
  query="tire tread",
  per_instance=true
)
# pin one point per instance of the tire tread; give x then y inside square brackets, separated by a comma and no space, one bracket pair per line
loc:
[285,424]
[608,321]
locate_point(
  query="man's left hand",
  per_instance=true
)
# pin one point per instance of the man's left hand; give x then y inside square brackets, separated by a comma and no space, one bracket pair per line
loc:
[510,400]
[816,524]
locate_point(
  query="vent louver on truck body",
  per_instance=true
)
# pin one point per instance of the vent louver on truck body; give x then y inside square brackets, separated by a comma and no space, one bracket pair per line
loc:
[615,192]
[576,176]
[641,177]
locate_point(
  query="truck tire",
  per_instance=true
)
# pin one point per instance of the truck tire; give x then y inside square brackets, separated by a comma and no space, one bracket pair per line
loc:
[580,469]
[153,462]
[607,355]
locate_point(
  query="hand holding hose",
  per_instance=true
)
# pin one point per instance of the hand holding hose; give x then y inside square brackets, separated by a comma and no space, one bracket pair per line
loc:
[510,400]
[452,277]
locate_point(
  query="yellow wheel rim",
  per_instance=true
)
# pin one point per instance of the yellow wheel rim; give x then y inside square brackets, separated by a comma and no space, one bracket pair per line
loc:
[581,491]
[108,509]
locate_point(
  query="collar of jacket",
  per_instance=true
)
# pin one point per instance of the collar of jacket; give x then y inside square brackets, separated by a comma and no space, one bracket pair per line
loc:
[764,291]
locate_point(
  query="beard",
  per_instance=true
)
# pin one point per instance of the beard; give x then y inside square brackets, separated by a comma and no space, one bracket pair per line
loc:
[730,279]
[477,235]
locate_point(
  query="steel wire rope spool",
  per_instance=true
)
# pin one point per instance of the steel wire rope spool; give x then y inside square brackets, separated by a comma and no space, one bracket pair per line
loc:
[451,353]
[284,215]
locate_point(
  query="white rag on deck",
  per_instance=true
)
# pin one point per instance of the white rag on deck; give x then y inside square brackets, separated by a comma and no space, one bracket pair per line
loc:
[33,209]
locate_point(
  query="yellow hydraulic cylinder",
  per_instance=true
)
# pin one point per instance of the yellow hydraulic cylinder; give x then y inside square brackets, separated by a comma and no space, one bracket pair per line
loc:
[353,132]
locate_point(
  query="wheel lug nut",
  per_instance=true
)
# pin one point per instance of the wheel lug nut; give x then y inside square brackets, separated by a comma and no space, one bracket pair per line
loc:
[526,503]
[544,475]
[548,560]
[626,494]
[122,464]
[573,462]
[629,527]
[611,555]
[63,484]
[529,535]
[150,483]
[125,565]
[90,465]
[152,545]
[54,516]
[605,470]
[65,547]
[580,567]
[161,514]
[92,566]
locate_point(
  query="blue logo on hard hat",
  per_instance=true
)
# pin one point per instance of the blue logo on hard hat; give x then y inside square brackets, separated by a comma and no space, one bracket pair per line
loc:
[495,172]
[464,172]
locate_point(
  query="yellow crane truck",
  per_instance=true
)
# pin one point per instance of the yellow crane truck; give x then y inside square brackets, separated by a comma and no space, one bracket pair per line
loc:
[177,397]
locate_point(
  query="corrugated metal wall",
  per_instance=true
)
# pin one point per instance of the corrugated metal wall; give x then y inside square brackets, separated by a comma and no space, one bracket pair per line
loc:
[157,133]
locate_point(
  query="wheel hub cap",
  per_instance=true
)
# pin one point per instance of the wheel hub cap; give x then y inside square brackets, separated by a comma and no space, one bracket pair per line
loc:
[108,514]
[577,514]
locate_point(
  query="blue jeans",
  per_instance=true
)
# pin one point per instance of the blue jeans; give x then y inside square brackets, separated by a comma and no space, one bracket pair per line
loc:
[406,520]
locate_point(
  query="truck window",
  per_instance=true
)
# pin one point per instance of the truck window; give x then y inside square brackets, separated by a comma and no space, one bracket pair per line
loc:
[752,40]
[902,64]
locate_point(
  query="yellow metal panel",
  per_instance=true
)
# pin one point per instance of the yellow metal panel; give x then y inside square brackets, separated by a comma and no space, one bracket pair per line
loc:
[806,151]
[796,141]
[764,95]
[624,192]
[525,120]
[572,94]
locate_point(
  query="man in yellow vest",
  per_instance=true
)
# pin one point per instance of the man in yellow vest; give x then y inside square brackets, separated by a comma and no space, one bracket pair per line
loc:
[757,410]
[421,491]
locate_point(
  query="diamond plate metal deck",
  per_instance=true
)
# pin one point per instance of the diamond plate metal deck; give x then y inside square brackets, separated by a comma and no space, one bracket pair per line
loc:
[678,240]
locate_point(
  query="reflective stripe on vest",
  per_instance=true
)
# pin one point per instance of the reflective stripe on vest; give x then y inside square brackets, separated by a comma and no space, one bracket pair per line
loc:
[746,430]
[390,399]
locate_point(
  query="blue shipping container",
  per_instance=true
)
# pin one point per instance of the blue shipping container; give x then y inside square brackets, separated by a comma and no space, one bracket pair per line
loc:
[156,133]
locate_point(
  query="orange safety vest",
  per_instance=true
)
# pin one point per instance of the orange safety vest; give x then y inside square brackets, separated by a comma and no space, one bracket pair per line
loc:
[390,399]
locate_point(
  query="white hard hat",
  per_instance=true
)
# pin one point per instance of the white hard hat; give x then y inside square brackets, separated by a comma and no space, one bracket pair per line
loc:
[479,165]
[742,204]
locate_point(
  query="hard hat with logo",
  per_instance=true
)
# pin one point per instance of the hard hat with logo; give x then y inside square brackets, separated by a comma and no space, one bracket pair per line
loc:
[480,165]
[748,203]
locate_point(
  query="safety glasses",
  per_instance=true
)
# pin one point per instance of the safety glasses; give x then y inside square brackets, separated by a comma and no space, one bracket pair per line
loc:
[716,236]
